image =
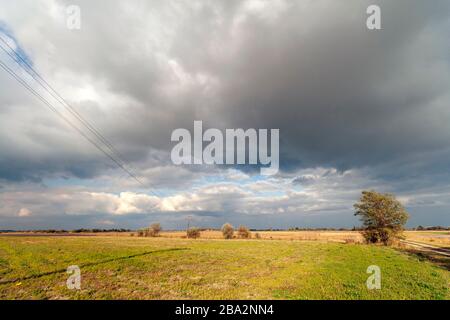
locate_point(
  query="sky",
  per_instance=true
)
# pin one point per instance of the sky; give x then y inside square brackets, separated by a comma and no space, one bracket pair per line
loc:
[357,109]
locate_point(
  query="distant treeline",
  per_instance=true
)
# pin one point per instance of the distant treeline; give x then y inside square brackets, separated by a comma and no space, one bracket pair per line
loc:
[82,230]
[433,228]
[419,228]
[310,229]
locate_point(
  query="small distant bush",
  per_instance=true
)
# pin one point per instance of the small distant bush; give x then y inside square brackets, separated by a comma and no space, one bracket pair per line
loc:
[244,232]
[153,230]
[156,229]
[257,235]
[227,231]
[193,233]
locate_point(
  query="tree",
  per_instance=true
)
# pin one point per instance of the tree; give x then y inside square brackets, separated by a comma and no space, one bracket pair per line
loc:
[382,216]
[193,233]
[244,233]
[153,230]
[227,231]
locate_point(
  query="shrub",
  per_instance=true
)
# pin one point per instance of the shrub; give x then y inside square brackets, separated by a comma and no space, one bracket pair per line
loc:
[227,231]
[153,230]
[141,233]
[379,235]
[156,227]
[382,215]
[193,233]
[257,235]
[244,233]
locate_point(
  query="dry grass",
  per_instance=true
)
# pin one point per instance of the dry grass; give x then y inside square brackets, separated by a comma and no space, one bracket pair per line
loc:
[435,238]
[326,236]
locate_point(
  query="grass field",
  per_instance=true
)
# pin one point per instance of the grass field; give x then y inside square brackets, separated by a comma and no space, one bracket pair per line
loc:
[115,267]
[329,236]
[435,238]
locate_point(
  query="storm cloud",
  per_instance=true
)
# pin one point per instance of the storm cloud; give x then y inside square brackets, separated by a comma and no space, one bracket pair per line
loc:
[356,108]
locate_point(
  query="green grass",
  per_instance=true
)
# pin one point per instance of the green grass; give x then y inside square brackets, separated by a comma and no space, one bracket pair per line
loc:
[147,268]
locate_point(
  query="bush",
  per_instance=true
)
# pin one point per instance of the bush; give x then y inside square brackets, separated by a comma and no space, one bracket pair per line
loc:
[227,231]
[381,235]
[141,233]
[156,227]
[257,235]
[244,233]
[193,233]
[153,230]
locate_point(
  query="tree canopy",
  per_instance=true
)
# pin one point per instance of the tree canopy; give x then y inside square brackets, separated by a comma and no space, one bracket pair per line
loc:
[382,216]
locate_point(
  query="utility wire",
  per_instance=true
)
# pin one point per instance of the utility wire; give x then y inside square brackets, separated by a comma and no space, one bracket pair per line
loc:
[38,78]
[120,161]
[52,108]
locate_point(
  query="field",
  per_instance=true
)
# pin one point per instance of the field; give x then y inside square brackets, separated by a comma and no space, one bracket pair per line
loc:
[435,238]
[300,266]
[329,236]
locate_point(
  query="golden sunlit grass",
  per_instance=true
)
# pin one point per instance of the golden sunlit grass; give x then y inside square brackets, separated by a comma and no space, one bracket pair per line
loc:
[329,236]
[435,238]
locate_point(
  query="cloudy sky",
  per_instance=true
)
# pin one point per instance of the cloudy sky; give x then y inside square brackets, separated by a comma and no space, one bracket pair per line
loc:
[356,108]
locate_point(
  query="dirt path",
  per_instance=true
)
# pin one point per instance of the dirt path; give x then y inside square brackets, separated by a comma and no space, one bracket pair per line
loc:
[427,247]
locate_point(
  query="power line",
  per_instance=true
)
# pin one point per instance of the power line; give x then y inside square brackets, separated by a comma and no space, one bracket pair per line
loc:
[44,84]
[52,108]
[120,161]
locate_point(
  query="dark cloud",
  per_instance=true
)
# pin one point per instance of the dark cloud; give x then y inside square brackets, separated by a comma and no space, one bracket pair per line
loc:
[343,97]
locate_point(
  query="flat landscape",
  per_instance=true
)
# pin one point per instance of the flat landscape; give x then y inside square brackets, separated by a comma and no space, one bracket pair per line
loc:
[280,265]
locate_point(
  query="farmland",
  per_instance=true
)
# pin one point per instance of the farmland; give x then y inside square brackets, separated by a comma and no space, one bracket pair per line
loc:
[284,265]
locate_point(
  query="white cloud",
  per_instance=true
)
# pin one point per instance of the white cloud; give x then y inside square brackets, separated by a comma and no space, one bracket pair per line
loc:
[329,190]
[24,212]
